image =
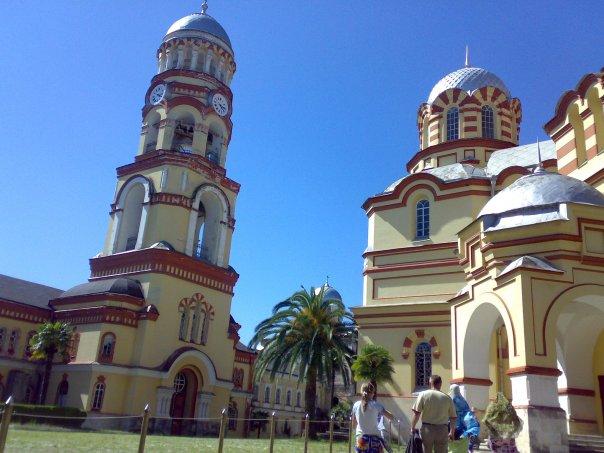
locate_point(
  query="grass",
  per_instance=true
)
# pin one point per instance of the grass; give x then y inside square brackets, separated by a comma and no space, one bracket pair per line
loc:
[22,439]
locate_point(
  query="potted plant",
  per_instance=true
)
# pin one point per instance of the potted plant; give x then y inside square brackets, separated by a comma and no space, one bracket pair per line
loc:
[502,425]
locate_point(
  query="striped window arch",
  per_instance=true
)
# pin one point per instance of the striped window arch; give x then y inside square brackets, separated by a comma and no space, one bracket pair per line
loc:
[453,124]
[488,122]
[422,219]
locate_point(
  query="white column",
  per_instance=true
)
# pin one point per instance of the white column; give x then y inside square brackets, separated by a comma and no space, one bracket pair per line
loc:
[202,405]
[476,395]
[181,57]
[535,397]
[142,227]
[209,57]
[117,217]
[194,59]
[164,398]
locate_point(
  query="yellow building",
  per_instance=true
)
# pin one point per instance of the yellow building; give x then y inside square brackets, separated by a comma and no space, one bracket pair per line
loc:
[484,264]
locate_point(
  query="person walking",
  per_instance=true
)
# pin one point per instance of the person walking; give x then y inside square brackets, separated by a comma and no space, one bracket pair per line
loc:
[365,414]
[436,410]
[461,408]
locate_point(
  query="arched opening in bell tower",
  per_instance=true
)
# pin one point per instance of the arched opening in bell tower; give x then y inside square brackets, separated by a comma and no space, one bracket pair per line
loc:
[129,225]
[209,228]
[151,131]
[214,143]
[184,128]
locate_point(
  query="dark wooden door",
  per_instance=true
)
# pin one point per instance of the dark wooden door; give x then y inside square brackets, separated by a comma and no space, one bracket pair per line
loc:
[177,412]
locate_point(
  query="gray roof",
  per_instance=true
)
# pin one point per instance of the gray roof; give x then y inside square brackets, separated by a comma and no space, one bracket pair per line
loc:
[193,25]
[329,293]
[532,262]
[541,189]
[523,156]
[25,292]
[468,79]
[123,286]
[241,347]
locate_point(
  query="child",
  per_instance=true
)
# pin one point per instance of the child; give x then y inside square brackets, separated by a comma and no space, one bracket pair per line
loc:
[365,414]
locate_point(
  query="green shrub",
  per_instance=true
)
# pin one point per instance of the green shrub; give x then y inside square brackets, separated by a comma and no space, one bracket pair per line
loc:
[26,413]
[501,419]
[341,411]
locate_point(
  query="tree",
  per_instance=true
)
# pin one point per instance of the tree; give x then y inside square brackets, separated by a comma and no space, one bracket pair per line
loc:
[50,339]
[308,334]
[373,364]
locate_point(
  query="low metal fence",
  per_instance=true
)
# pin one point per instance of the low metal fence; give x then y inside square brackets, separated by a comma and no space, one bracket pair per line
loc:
[204,434]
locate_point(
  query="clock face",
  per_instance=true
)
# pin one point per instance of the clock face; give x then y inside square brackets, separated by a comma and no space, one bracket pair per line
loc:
[220,104]
[158,93]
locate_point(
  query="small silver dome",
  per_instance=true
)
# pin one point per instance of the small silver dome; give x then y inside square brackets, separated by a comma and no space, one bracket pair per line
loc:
[540,189]
[329,293]
[193,25]
[468,79]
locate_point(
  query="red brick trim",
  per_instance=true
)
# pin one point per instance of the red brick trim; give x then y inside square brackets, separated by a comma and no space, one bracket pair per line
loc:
[164,262]
[410,313]
[410,266]
[21,312]
[576,391]
[472,381]
[416,249]
[97,315]
[538,370]
[101,297]
[462,143]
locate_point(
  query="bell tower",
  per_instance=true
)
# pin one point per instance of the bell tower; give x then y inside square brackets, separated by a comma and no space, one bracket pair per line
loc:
[173,214]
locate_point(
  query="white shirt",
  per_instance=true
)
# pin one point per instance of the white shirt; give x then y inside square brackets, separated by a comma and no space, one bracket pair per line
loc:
[367,420]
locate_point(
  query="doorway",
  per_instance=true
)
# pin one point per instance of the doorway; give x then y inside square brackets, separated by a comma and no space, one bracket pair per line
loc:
[183,401]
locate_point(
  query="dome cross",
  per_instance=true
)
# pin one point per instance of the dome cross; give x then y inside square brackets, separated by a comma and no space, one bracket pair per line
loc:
[204,7]
[467,56]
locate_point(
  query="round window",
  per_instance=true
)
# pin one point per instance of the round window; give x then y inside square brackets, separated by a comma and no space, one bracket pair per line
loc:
[180,381]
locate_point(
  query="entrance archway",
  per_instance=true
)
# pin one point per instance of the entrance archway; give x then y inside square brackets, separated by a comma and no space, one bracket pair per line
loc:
[183,400]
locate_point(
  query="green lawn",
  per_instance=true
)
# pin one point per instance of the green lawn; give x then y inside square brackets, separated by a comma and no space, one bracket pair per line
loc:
[23,440]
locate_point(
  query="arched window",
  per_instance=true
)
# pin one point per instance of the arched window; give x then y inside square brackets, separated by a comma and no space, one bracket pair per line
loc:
[425,133]
[233,414]
[207,240]
[99,394]
[298,398]
[195,330]
[288,398]
[27,352]
[278,396]
[13,341]
[422,220]
[488,122]
[453,124]
[184,129]
[2,338]
[576,121]
[423,365]
[214,144]
[107,348]
[267,394]
[184,322]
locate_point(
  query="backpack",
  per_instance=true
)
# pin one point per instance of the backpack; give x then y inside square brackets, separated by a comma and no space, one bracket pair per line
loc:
[415,444]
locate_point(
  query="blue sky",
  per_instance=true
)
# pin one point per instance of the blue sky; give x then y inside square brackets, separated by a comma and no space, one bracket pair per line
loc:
[325,103]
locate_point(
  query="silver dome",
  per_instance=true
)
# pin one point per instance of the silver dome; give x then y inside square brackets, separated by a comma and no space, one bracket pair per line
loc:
[192,25]
[541,189]
[468,79]
[329,293]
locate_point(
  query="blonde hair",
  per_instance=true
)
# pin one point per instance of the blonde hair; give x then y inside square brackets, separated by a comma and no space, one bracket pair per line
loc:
[366,389]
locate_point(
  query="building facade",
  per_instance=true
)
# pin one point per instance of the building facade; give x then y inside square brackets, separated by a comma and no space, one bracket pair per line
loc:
[484,263]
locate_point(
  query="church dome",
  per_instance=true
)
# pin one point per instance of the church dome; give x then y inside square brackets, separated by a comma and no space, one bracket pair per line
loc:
[468,79]
[120,286]
[541,189]
[329,293]
[197,25]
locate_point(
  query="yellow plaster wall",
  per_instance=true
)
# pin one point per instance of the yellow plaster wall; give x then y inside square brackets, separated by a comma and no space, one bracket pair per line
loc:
[598,367]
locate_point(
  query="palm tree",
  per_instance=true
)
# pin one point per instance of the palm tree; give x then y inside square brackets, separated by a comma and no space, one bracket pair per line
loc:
[307,333]
[373,364]
[50,339]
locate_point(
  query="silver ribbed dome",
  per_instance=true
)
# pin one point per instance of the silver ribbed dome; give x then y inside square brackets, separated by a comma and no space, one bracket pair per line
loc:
[541,189]
[329,293]
[193,25]
[468,79]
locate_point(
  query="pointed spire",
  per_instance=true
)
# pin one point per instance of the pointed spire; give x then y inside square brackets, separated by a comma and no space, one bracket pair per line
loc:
[539,168]
[467,56]
[204,6]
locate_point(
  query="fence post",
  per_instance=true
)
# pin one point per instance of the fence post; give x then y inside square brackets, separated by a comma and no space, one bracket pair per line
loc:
[271,432]
[6,415]
[307,422]
[398,434]
[331,434]
[222,429]
[390,441]
[350,436]
[144,427]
